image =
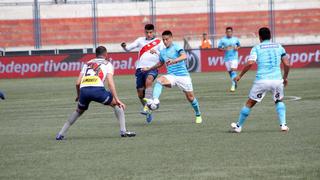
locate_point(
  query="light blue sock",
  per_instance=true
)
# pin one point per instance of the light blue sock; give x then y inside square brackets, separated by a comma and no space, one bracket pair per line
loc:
[196,107]
[244,113]
[233,74]
[281,110]
[157,90]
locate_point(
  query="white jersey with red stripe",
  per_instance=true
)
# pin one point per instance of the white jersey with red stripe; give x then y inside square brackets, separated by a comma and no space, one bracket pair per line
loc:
[146,59]
[95,72]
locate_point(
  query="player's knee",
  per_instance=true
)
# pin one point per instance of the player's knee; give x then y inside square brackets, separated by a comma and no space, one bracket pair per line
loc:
[80,111]
[190,96]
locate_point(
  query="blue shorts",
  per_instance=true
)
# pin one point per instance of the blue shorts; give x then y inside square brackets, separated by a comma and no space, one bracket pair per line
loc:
[141,77]
[97,94]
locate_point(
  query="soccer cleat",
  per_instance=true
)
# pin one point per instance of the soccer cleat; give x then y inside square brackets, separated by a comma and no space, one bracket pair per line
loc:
[284,128]
[233,88]
[198,119]
[149,118]
[127,134]
[2,95]
[145,110]
[59,137]
[235,128]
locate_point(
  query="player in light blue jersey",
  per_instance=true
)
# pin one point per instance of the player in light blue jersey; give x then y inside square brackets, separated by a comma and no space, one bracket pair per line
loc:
[230,46]
[268,57]
[174,57]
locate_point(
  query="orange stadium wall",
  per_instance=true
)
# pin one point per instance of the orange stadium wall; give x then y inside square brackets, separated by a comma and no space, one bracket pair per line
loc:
[301,56]
[77,31]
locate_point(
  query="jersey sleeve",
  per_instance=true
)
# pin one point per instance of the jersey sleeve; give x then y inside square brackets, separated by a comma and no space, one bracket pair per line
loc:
[179,49]
[133,45]
[161,57]
[282,52]
[109,68]
[253,54]
[84,68]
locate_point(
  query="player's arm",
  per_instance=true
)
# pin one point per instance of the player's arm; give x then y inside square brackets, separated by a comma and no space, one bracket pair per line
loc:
[237,46]
[286,68]
[78,82]
[182,57]
[156,66]
[252,59]
[131,46]
[112,87]
[245,69]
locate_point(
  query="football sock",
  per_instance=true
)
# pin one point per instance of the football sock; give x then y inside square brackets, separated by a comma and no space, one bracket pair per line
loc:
[157,90]
[119,112]
[148,93]
[281,110]
[142,101]
[196,107]
[73,117]
[233,74]
[244,113]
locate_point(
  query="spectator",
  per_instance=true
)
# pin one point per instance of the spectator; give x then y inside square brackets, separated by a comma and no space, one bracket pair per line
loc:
[205,43]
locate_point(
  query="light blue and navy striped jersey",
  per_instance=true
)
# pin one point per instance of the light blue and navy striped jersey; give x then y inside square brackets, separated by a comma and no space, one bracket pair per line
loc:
[226,42]
[268,57]
[173,52]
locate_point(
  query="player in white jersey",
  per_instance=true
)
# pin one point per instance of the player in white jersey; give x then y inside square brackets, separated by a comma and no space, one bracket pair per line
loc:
[269,57]
[149,49]
[90,87]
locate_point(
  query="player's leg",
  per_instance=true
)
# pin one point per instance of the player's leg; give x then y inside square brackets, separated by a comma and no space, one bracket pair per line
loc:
[256,94]
[105,97]
[72,119]
[151,76]
[195,105]
[278,94]
[185,84]
[119,113]
[232,69]
[83,105]
[166,80]
[140,85]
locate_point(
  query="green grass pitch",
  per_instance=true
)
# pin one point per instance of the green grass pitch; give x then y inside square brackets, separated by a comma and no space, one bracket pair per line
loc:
[173,146]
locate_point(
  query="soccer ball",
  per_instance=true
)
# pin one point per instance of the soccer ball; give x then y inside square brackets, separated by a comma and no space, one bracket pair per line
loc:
[153,104]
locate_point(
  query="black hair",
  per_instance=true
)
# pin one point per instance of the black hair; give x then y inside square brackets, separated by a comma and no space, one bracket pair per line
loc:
[101,50]
[149,27]
[264,33]
[167,33]
[229,27]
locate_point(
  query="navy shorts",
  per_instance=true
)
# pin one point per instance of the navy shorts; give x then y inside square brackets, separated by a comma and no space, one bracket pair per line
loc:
[97,94]
[141,77]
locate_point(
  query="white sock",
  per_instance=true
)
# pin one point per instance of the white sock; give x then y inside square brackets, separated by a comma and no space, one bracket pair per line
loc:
[148,93]
[73,117]
[119,112]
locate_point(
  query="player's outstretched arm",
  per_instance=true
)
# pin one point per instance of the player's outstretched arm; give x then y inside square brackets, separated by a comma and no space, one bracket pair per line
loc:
[78,82]
[156,66]
[112,88]
[246,68]
[286,69]
[182,57]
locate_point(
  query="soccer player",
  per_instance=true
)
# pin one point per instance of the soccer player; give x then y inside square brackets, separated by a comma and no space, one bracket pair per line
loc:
[90,87]
[268,57]
[174,57]
[149,48]
[2,95]
[230,45]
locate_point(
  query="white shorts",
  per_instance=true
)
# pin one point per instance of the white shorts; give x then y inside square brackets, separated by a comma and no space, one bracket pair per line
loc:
[232,64]
[183,82]
[261,87]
